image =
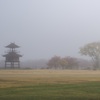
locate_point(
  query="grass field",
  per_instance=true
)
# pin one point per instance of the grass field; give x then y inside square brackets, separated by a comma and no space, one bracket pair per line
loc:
[49,85]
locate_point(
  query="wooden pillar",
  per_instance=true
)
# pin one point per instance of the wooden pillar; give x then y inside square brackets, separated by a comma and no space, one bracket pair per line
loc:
[5,64]
[18,64]
[11,64]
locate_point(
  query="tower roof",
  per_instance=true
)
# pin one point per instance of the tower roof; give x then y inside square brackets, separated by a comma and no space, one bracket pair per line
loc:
[12,45]
[12,54]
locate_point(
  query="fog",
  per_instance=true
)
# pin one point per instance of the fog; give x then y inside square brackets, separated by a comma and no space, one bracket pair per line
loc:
[44,28]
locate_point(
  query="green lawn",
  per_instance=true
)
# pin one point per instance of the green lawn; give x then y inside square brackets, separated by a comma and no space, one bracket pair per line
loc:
[78,91]
[14,88]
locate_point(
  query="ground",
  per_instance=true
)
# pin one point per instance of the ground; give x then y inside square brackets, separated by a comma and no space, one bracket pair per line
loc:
[49,84]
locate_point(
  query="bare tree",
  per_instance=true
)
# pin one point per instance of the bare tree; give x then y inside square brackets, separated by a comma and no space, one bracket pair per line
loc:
[72,62]
[54,62]
[62,63]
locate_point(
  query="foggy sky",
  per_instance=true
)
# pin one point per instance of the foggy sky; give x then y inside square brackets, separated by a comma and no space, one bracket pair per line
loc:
[44,28]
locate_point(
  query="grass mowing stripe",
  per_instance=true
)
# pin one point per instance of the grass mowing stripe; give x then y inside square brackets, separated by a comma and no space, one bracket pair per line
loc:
[79,91]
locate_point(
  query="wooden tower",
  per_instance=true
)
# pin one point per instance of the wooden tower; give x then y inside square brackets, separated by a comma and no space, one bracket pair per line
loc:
[12,57]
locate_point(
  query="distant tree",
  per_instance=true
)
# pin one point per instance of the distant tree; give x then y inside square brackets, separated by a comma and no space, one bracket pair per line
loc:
[72,62]
[92,50]
[63,63]
[54,62]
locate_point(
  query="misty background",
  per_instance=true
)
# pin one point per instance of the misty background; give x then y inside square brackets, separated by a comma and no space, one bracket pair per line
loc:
[44,28]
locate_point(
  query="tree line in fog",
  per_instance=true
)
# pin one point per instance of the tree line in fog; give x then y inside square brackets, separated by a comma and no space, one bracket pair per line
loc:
[91,50]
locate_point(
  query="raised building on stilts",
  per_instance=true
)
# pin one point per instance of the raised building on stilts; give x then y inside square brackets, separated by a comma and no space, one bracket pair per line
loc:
[12,56]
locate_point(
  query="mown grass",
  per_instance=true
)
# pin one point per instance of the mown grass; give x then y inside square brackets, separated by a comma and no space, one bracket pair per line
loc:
[49,85]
